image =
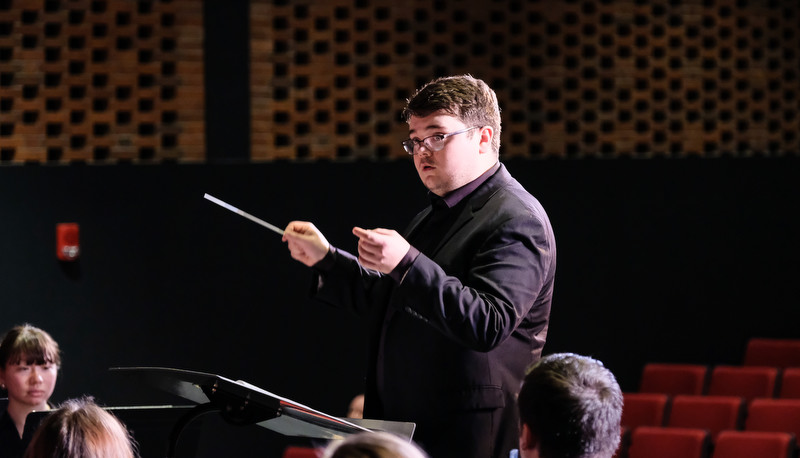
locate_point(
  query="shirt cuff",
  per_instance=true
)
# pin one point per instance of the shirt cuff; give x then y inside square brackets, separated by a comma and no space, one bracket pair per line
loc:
[399,272]
[326,264]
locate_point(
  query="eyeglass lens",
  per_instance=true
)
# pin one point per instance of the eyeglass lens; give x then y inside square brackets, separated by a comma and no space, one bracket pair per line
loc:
[433,143]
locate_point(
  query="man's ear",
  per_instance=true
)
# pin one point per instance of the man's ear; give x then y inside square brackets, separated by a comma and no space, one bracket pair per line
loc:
[527,440]
[486,134]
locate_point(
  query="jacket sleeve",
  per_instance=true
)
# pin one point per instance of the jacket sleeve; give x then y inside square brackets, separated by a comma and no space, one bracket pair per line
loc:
[343,283]
[509,275]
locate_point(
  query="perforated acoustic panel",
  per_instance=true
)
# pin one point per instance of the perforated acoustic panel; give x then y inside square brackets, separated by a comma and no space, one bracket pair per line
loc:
[109,80]
[101,80]
[591,78]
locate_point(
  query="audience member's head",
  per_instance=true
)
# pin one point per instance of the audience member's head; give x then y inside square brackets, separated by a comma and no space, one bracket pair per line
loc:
[373,445]
[570,407]
[29,362]
[356,407]
[79,428]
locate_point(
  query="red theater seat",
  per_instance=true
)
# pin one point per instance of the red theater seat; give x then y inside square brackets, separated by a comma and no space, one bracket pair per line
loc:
[640,409]
[790,383]
[774,415]
[655,442]
[713,413]
[746,381]
[644,409]
[673,379]
[754,444]
[294,451]
[772,352]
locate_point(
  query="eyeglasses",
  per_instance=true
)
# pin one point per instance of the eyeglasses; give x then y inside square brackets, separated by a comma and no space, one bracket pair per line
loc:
[433,143]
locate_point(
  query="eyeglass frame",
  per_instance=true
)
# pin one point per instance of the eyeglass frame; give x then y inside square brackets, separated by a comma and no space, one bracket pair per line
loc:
[415,143]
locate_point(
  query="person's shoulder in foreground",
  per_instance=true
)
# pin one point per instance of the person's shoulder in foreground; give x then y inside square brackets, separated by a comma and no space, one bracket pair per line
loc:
[569,405]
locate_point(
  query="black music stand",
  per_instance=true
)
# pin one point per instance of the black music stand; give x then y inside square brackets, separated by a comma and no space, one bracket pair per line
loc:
[241,403]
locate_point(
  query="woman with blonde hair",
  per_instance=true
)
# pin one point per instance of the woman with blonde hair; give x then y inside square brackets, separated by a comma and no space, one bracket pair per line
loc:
[373,445]
[79,428]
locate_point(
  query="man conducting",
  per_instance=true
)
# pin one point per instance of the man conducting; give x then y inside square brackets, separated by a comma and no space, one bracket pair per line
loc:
[460,302]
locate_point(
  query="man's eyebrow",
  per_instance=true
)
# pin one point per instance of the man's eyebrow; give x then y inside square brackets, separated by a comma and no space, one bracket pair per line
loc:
[428,127]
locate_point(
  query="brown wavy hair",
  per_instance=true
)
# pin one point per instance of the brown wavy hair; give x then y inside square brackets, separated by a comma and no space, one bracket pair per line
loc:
[467,98]
[29,342]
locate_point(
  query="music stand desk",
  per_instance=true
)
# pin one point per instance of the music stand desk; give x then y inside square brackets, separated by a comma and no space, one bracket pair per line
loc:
[242,403]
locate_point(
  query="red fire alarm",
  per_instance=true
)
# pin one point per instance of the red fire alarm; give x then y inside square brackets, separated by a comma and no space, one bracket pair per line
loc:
[67,241]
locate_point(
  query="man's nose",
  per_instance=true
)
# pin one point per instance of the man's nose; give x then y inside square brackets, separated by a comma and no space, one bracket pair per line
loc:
[420,148]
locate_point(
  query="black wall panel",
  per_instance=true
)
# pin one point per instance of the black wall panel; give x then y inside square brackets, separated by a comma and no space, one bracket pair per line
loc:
[658,260]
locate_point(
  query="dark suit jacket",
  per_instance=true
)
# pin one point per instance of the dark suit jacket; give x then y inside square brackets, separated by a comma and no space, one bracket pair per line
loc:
[450,343]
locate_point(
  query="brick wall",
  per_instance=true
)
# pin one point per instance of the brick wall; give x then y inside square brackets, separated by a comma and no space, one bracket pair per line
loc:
[100,81]
[122,80]
[593,78]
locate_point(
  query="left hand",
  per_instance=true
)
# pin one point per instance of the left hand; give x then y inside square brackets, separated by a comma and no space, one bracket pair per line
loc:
[380,249]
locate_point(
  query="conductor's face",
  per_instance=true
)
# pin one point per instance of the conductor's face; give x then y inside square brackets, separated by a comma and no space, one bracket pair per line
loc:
[457,162]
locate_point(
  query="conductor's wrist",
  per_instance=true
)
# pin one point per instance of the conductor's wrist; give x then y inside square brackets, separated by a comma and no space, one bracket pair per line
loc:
[399,272]
[327,262]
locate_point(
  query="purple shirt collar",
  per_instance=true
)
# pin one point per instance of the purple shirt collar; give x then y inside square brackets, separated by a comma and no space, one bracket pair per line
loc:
[455,196]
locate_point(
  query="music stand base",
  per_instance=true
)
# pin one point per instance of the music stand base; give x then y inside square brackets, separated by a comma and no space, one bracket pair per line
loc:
[188,417]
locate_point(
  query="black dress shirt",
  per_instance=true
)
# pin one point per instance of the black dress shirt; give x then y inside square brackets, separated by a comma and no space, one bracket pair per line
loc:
[11,445]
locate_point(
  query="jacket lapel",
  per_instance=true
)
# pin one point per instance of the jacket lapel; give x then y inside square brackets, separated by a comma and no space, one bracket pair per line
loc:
[474,204]
[414,224]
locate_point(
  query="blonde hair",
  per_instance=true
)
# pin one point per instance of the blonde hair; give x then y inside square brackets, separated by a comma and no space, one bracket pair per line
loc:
[79,428]
[373,445]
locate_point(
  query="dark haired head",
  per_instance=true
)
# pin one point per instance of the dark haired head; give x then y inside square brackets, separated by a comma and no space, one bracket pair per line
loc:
[31,343]
[572,405]
[467,98]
